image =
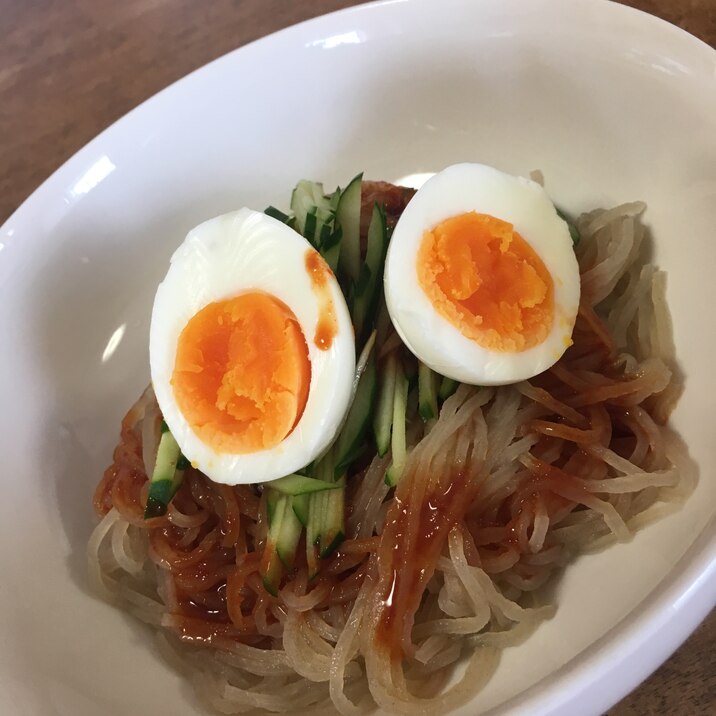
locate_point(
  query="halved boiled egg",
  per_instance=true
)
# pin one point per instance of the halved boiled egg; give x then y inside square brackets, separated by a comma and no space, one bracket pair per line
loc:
[481,280]
[251,349]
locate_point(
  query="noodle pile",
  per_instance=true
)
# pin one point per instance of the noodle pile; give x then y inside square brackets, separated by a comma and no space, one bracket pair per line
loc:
[498,494]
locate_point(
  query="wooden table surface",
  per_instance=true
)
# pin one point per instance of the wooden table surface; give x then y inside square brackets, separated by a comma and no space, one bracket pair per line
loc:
[68,68]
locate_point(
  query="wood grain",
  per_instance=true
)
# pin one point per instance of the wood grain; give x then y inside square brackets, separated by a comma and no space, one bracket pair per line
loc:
[69,68]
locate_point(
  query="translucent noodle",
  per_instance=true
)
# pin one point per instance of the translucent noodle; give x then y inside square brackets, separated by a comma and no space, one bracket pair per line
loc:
[440,574]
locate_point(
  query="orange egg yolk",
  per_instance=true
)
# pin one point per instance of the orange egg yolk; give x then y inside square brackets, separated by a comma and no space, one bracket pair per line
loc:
[242,373]
[487,281]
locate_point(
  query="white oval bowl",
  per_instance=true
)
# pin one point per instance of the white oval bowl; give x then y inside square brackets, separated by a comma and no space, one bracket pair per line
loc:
[611,104]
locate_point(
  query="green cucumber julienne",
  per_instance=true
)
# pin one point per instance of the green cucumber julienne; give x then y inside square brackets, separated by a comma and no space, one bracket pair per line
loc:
[383,416]
[317,508]
[291,504]
[398,441]
[350,441]
[306,199]
[330,233]
[167,476]
[333,531]
[315,500]
[314,216]
[367,290]
[301,504]
[348,215]
[289,534]
[277,214]
[299,485]
[282,539]
[447,387]
[325,514]
[332,225]
[427,392]
[271,568]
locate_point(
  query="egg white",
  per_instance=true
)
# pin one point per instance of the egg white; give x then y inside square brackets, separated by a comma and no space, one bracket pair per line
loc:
[219,259]
[432,338]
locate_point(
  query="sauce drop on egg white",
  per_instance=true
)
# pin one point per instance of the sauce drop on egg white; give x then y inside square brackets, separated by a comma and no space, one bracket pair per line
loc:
[249,318]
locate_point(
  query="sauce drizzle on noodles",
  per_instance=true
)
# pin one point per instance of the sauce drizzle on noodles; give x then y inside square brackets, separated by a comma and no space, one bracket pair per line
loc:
[498,495]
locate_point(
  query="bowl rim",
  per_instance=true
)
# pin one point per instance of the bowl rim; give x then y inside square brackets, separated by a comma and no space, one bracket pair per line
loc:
[606,6]
[645,637]
[635,646]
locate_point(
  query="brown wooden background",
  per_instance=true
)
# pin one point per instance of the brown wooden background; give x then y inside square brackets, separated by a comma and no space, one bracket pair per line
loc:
[68,68]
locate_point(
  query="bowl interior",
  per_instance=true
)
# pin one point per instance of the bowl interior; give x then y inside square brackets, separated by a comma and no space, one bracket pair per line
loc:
[610,104]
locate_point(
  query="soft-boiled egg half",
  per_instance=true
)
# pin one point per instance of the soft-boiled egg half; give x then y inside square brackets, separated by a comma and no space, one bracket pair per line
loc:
[251,349]
[481,280]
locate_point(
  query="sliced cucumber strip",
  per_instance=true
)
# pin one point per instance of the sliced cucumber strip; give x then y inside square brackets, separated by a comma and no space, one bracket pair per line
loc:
[271,565]
[330,245]
[427,393]
[370,281]
[271,500]
[282,540]
[299,485]
[348,215]
[306,196]
[309,228]
[333,531]
[300,507]
[383,416]
[272,572]
[290,533]
[275,213]
[313,534]
[315,219]
[397,444]
[326,514]
[383,325]
[167,476]
[350,441]
[275,516]
[447,387]
[323,471]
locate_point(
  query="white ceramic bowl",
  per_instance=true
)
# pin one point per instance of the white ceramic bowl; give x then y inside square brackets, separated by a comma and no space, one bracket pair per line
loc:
[610,103]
